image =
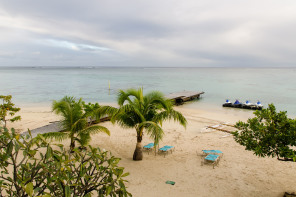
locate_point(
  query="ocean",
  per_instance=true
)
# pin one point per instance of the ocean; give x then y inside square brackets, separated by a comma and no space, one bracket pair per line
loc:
[40,86]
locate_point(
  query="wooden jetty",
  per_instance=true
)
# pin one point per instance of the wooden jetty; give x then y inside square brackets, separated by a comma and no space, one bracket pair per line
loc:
[55,127]
[180,97]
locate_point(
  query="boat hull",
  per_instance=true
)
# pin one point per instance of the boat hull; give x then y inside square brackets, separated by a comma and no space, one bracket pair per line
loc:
[242,106]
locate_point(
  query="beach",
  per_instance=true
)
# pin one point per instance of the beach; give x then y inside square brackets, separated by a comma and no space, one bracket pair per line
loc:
[239,173]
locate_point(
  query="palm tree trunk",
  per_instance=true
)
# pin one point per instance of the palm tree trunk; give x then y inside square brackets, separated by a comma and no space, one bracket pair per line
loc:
[138,154]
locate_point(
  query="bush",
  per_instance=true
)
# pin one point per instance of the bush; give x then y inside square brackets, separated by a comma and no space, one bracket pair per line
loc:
[32,167]
[268,134]
[7,109]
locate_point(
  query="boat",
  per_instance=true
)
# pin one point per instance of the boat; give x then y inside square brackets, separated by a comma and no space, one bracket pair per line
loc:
[227,103]
[237,104]
[246,105]
[259,105]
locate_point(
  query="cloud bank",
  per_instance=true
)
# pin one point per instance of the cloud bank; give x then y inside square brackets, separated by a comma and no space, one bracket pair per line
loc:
[193,33]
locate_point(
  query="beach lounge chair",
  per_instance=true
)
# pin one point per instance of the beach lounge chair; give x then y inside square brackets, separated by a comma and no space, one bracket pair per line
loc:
[215,152]
[148,147]
[213,159]
[165,149]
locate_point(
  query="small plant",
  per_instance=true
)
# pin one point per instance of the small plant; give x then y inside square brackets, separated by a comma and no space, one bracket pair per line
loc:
[92,112]
[7,109]
[75,122]
[32,167]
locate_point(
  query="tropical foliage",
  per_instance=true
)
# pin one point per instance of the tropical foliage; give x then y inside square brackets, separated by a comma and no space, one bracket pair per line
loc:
[269,133]
[7,110]
[32,167]
[76,118]
[144,113]
[91,109]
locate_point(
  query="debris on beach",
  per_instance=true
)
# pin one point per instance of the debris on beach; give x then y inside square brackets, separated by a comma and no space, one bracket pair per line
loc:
[225,127]
[170,182]
[287,194]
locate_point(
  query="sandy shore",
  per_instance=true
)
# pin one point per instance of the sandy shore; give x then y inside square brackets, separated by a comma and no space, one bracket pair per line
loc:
[240,173]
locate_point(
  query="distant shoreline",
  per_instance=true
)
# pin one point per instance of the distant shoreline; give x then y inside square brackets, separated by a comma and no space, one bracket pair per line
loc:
[143,67]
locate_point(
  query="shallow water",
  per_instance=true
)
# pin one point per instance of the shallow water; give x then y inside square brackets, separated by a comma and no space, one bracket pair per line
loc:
[42,85]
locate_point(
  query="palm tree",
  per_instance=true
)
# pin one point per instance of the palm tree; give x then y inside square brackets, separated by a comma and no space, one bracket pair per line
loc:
[75,122]
[144,113]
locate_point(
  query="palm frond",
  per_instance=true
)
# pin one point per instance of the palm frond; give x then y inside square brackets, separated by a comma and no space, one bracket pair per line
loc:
[128,116]
[133,110]
[70,110]
[125,95]
[56,135]
[80,124]
[157,98]
[154,130]
[95,129]
[171,114]
[107,110]
[122,97]
[83,138]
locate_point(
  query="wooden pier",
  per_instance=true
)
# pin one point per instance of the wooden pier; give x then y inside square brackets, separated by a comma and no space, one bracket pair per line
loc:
[180,97]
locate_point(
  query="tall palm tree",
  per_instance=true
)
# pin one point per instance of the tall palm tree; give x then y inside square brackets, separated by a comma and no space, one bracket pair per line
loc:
[75,122]
[144,113]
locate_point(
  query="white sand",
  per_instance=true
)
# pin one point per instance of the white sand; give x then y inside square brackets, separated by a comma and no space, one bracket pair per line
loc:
[240,173]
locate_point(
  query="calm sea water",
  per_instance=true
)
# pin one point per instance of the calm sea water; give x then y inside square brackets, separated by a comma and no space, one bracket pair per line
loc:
[43,85]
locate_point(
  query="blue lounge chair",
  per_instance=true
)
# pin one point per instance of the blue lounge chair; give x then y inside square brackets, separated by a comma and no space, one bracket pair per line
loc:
[214,159]
[206,152]
[165,149]
[148,147]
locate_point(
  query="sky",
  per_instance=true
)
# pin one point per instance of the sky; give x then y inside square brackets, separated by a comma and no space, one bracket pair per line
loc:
[154,33]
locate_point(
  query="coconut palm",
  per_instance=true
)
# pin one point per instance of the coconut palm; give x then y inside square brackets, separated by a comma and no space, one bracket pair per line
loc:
[75,122]
[144,113]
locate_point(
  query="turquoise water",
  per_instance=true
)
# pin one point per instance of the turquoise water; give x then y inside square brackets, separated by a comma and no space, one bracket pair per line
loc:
[42,85]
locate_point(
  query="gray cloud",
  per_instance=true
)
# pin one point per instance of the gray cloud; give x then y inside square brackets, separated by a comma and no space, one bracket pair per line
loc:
[147,33]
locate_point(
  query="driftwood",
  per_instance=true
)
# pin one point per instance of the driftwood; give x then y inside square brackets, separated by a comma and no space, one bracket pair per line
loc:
[218,127]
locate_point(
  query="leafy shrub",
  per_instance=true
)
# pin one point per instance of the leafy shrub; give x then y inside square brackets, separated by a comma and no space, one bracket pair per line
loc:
[32,167]
[7,109]
[269,133]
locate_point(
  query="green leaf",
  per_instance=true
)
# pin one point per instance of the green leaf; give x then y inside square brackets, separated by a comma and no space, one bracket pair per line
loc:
[87,195]
[108,191]
[29,189]
[29,131]
[125,174]
[49,152]
[9,148]
[67,191]
[46,195]
[37,189]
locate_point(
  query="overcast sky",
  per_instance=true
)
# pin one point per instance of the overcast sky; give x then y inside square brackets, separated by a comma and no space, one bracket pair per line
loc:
[189,33]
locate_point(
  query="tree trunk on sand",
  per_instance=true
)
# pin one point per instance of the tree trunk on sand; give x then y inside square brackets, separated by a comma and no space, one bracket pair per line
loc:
[138,154]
